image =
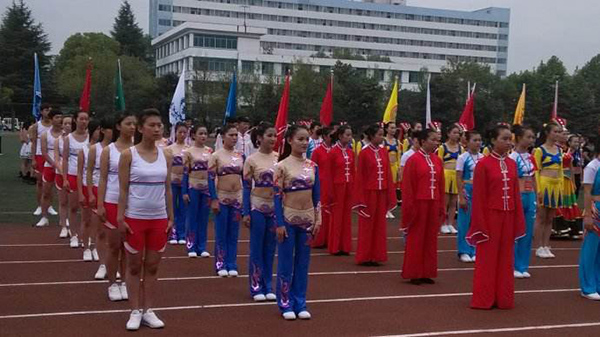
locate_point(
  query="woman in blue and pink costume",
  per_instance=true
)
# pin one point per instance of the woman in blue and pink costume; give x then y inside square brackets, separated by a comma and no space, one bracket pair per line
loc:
[298,218]
[177,150]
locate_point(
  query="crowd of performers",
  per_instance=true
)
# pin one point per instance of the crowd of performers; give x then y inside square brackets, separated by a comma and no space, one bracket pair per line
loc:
[125,192]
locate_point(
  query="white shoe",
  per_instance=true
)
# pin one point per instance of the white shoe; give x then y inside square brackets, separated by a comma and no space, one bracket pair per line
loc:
[118,276]
[38,211]
[549,253]
[445,229]
[95,255]
[518,274]
[192,254]
[233,273]
[271,297]
[135,319]
[172,242]
[123,290]
[259,298]
[152,321]
[526,275]
[465,258]
[182,242]
[51,211]
[473,258]
[304,315]
[205,254]
[223,273]
[389,215]
[64,233]
[43,222]
[87,255]
[452,229]
[541,253]
[101,273]
[593,296]
[74,242]
[289,316]
[114,293]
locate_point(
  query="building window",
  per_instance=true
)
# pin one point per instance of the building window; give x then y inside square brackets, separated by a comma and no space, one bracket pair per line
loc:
[164,8]
[248,67]
[267,68]
[214,64]
[414,77]
[215,41]
[164,22]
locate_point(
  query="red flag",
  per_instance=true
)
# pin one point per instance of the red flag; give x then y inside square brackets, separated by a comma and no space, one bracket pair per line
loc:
[326,114]
[84,102]
[468,116]
[282,115]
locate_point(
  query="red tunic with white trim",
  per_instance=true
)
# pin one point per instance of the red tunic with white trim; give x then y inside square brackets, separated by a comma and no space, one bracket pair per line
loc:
[373,173]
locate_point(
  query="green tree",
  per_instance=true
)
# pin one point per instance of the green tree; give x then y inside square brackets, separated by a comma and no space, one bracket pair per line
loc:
[20,38]
[129,35]
[307,89]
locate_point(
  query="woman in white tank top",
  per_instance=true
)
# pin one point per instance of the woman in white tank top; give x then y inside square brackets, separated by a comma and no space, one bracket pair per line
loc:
[108,197]
[91,253]
[146,211]
[63,197]
[47,141]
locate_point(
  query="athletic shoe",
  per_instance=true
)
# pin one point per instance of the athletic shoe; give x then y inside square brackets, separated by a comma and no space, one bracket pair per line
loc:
[223,273]
[43,222]
[271,297]
[182,242]
[445,229]
[465,258]
[192,254]
[87,255]
[135,319]
[304,315]
[118,276]
[593,296]
[452,229]
[172,242]
[526,275]
[259,298]
[233,273]
[51,211]
[64,233]
[152,321]
[101,273]
[473,258]
[289,316]
[541,253]
[389,215]
[549,253]
[95,255]
[205,254]
[518,274]
[74,242]
[114,293]
[123,290]
[38,211]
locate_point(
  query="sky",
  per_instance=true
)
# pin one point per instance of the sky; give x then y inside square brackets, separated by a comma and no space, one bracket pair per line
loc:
[539,28]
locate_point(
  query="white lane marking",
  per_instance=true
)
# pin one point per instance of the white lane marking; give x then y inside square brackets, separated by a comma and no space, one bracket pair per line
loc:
[323,273]
[497,330]
[254,304]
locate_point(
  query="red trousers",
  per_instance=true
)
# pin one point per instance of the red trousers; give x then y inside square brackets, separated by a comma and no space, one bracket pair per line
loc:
[493,281]
[340,228]
[420,253]
[372,244]
[320,240]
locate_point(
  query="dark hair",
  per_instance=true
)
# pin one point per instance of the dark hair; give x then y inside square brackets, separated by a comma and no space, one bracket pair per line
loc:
[324,131]
[452,127]
[471,134]
[423,135]
[230,120]
[340,131]
[142,118]
[571,136]
[106,123]
[385,127]
[259,131]
[333,124]
[226,129]
[371,131]
[180,125]
[74,120]
[414,124]
[290,133]
[45,106]
[93,125]
[195,128]
[495,132]
[548,127]
[519,131]
[118,121]
[313,125]
[54,112]
[243,119]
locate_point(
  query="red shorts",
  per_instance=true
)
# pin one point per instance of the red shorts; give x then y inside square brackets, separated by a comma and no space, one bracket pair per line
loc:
[86,197]
[39,160]
[49,175]
[147,234]
[58,181]
[111,215]
[72,183]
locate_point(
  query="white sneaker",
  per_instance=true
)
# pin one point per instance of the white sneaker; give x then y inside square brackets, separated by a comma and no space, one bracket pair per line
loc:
[74,243]
[233,273]
[87,255]
[452,229]
[223,273]
[518,274]
[271,297]
[465,258]
[445,229]
[474,258]
[259,298]
[205,254]
[64,233]
[526,275]
[123,290]
[172,242]
[192,254]
[593,296]
[135,319]
[43,222]
[389,215]
[289,316]
[114,293]
[304,315]
[541,253]
[549,253]
[118,276]
[95,255]
[101,273]
[51,211]
[38,211]
[182,242]
[152,321]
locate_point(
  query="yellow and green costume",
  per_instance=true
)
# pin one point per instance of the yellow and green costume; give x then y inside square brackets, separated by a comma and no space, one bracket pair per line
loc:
[448,156]
[550,188]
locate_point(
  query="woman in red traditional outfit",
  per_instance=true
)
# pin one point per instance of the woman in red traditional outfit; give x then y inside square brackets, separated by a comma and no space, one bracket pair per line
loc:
[343,169]
[320,156]
[423,209]
[496,222]
[376,195]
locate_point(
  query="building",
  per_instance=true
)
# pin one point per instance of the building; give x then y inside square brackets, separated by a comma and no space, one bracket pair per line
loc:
[385,38]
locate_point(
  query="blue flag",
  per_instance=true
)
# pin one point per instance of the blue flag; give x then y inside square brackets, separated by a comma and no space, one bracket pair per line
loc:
[231,100]
[37,90]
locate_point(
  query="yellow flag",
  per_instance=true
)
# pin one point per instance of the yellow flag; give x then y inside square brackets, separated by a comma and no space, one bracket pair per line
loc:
[392,106]
[520,110]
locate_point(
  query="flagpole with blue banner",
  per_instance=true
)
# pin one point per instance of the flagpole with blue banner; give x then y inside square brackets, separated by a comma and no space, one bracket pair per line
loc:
[231,99]
[177,108]
[37,90]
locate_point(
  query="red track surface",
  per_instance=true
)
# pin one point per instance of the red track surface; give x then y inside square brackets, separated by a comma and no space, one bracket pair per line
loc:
[345,299]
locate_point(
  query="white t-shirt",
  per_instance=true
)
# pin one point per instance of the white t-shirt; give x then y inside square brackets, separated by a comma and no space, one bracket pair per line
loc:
[405,157]
[525,167]
[589,173]
[466,163]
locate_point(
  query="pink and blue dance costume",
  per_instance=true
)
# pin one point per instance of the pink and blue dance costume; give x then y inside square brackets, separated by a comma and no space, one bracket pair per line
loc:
[589,259]
[199,205]
[179,206]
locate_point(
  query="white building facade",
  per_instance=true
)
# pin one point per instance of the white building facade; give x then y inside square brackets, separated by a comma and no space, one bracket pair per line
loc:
[384,38]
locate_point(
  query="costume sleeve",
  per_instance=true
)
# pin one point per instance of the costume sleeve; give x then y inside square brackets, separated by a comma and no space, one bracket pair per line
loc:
[212,176]
[359,202]
[478,232]
[440,152]
[519,221]
[537,156]
[186,180]
[278,197]
[311,148]
[316,190]
[247,183]
[441,186]
[409,187]
[460,163]
[392,199]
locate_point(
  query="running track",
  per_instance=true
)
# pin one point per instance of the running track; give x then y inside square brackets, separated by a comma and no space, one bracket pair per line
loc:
[45,289]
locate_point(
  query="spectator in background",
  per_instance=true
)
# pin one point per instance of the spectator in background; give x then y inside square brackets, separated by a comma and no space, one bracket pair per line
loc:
[315,138]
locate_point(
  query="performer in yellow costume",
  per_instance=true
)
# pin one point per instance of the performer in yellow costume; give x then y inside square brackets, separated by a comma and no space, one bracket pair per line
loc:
[449,152]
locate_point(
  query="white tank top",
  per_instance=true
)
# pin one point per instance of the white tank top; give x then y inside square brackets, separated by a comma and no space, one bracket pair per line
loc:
[147,195]
[50,140]
[40,131]
[74,147]
[96,169]
[112,182]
